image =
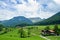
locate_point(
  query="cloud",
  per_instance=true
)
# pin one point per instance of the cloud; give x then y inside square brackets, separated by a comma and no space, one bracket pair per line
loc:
[57,1]
[26,1]
[49,6]
[6,15]
[28,8]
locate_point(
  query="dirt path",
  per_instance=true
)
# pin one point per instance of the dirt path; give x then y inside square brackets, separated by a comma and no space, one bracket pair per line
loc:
[41,36]
[44,37]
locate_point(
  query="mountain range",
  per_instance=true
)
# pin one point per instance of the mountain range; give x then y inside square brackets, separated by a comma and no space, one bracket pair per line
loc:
[55,19]
[16,20]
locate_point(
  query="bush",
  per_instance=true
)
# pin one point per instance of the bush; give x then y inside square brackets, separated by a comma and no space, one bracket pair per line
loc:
[56,29]
[22,33]
[6,30]
[29,32]
[1,27]
[47,28]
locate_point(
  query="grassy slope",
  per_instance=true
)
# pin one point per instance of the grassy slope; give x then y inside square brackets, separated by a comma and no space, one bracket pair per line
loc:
[51,37]
[54,37]
[13,35]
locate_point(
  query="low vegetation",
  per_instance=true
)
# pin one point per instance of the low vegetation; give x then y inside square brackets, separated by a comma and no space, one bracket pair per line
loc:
[28,32]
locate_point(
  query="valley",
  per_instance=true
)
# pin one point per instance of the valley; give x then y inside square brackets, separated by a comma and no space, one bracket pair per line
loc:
[35,34]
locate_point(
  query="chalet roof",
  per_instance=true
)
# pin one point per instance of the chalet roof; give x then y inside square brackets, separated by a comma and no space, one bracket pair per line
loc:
[51,31]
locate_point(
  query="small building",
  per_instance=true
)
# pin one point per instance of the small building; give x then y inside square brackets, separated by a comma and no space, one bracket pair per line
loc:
[48,33]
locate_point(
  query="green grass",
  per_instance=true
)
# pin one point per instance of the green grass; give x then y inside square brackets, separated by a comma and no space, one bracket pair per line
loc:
[13,35]
[51,37]
[54,37]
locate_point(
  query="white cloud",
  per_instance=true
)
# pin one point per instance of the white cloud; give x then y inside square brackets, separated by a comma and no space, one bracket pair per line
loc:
[27,7]
[6,15]
[40,8]
[57,1]
[46,14]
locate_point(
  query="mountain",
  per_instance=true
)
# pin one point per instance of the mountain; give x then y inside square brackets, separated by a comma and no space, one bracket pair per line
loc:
[0,22]
[16,20]
[36,19]
[55,19]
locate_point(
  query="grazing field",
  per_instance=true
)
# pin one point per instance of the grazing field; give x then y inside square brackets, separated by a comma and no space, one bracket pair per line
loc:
[51,37]
[35,34]
[13,35]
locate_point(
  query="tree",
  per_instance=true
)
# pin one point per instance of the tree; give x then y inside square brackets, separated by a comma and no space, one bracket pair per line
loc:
[56,28]
[6,30]
[29,32]
[47,28]
[1,27]
[22,33]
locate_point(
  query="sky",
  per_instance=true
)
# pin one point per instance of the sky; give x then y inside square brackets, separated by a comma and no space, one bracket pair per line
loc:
[28,8]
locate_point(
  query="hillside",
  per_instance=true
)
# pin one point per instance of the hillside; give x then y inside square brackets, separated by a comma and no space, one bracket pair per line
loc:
[55,19]
[16,20]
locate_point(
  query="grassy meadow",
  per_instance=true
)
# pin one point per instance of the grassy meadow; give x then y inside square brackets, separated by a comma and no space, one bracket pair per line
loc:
[35,34]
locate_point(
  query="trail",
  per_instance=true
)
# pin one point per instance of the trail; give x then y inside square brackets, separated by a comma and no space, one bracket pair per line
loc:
[44,37]
[41,36]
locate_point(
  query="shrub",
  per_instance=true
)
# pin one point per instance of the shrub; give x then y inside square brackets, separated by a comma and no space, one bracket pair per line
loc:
[47,28]
[56,29]
[22,33]
[1,27]
[29,32]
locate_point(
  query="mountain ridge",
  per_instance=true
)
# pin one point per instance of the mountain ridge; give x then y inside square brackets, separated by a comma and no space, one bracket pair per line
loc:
[55,19]
[16,21]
